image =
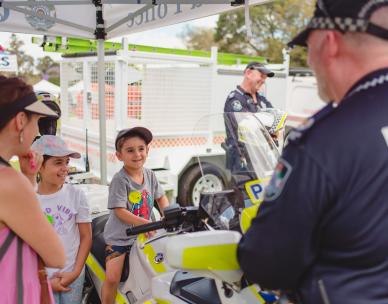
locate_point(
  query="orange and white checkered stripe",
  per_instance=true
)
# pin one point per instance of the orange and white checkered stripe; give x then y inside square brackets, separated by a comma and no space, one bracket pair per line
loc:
[180,141]
[218,139]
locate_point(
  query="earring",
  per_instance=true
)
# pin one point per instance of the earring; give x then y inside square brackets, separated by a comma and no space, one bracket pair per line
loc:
[21,139]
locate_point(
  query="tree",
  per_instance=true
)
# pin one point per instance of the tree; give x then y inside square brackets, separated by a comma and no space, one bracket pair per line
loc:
[48,69]
[198,38]
[46,65]
[25,62]
[273,25]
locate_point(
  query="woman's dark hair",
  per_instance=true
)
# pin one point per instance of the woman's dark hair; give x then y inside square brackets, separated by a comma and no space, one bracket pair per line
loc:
[12,89]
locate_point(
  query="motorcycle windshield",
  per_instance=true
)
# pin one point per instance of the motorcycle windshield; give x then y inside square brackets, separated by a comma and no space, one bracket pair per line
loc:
[236,163]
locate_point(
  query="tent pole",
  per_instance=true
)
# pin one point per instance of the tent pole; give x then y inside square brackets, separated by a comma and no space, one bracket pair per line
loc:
[100,36]
[101,106]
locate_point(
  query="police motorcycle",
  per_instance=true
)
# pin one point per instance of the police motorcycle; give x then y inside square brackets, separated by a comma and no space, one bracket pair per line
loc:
[251,144]
[192,257]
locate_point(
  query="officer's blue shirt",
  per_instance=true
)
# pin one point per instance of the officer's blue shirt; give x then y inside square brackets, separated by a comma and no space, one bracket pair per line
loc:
[241,101]
[323,226]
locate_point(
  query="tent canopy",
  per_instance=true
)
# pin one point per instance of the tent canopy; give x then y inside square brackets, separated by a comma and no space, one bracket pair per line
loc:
[102,19]
[111,17]
[47,86]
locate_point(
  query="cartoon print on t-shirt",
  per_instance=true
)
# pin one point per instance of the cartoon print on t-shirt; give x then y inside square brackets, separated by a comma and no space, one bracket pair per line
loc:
[141,203]
[134,197]
[58,217]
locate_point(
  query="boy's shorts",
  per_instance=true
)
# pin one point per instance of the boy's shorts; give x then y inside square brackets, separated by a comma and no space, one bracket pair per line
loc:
[113,251]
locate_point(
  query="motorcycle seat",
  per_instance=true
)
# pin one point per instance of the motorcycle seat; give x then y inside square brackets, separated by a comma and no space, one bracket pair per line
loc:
[98,241]
[212,251]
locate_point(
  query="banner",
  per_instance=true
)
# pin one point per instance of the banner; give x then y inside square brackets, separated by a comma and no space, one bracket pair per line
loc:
[8,63]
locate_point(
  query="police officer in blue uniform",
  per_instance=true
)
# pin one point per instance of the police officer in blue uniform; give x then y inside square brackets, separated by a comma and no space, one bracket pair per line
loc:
[321,231]
[245,98]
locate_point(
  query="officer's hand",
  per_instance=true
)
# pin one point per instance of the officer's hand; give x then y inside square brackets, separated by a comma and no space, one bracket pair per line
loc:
[275,135]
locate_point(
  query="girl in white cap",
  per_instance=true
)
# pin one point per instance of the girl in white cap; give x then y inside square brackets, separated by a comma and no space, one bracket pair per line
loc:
[66,208]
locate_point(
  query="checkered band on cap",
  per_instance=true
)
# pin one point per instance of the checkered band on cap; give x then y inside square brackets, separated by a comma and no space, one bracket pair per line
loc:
[346,24]
[370,7]
[344,16]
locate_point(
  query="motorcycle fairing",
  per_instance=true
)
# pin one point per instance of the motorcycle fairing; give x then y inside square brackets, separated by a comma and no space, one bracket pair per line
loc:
[151,254]
[214,251]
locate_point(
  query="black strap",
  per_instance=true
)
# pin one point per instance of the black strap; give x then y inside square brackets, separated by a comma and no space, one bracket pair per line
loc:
[377,31]
[4,247]
[19,271]
[4,162]
[19,262]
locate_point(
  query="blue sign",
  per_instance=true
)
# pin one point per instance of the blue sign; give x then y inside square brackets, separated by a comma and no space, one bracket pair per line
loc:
[4,14]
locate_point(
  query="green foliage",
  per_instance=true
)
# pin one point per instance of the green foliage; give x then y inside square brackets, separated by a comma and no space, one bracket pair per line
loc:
[55,80]
[25,62]
[198,38]
[273,25]
[46,67]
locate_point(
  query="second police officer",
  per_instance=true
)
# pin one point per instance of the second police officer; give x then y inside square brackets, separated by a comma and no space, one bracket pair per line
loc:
[245,98]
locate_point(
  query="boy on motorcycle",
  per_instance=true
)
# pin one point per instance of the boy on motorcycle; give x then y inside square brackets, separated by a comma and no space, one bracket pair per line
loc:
[132,193]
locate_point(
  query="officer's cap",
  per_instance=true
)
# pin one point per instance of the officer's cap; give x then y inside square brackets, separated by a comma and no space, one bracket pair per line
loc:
[259,67]
[343,16]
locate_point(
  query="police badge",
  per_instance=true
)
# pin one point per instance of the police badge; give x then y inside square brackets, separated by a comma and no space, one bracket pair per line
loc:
[236,105]
[41,9]
[279,178]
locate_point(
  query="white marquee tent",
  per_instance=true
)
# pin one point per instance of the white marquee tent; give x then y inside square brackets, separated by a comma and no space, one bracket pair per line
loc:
[47,86]
[103,19]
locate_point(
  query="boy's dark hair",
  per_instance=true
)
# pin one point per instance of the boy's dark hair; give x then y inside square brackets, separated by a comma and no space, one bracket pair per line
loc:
[123,135]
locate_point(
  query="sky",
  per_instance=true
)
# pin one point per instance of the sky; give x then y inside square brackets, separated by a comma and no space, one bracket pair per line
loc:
[164,37]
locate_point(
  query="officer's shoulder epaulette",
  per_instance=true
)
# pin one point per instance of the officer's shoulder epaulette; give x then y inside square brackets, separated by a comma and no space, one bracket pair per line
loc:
[232,94]
[297,134]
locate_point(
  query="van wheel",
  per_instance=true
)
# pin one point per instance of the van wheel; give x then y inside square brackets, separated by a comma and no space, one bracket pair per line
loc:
[192,183]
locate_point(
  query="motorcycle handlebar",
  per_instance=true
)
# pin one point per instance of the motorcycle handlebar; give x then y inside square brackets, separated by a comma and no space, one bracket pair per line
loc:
[145,228]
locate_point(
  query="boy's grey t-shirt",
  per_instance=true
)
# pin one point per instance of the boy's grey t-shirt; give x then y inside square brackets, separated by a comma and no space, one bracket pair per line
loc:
[138,199]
